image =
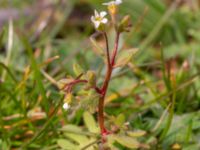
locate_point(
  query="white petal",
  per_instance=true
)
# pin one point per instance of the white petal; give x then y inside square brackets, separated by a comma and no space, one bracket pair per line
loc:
[96,14]
[93,19]
[66,106]
[109,3]
[103,14]
[105,20]
[97,23]
[117,2]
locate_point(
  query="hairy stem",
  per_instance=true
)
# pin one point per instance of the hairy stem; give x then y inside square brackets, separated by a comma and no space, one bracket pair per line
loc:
[106,83]
[101,102]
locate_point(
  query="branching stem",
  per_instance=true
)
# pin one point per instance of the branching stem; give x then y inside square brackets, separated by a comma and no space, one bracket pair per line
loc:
[68,87]
[104,88]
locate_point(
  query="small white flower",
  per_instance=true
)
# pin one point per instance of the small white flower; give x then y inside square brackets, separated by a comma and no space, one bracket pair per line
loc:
[116,2]
[66,106]
[99,18]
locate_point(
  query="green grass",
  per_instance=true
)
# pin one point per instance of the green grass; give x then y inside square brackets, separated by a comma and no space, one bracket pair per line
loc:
[156,96]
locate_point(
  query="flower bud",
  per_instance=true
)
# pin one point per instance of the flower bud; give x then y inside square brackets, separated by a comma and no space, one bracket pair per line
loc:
[113,6]
[91,76]
[113,9]
[67,101]
[125,24]
[68,98]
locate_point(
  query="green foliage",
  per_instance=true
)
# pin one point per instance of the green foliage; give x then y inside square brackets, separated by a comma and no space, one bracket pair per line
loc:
[64,144]
[89,101]
[77,69]
[76,137]
[154,105]
[124,57]
[125,141]
[90,122]
[1,37]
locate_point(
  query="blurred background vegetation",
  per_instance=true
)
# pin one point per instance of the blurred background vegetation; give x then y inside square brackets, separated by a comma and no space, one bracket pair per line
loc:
[156,96]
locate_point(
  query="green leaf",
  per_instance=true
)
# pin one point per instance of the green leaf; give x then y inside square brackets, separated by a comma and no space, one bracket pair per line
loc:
[89,100]
[127,141]
[91,77]
[71,128]
[181,128]
[1,37]
[124,57]
[65,144]
[136,133]
[77,135]
[192,147]
[97,48]
[90,122]
[78,70]
[120,120]
[80,139]
[110,141]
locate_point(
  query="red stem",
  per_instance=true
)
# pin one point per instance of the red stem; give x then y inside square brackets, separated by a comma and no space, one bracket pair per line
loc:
[78,81]
[70,85]
[105,86]
[115,49]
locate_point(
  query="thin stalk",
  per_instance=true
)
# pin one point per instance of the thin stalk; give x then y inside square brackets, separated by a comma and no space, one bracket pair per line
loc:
[107,50]
[165,71]
[8,71]
[68,87]
[101,102]
[115,49]
[171,115]
[105,85]
[9,47]
[189,131]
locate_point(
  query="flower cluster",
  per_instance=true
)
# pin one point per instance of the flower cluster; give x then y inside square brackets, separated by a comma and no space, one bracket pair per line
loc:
[99,19]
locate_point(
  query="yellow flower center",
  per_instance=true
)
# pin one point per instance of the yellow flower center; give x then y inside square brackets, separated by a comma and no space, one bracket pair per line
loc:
[99,19]
[112,9]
